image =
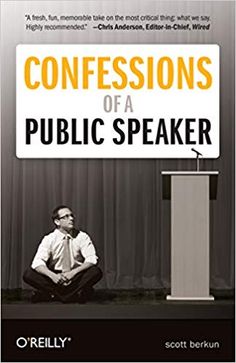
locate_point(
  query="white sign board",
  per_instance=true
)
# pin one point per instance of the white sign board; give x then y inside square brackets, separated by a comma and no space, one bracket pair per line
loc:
[117,101]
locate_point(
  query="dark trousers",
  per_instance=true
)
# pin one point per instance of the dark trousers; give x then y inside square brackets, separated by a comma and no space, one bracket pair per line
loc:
[80,282]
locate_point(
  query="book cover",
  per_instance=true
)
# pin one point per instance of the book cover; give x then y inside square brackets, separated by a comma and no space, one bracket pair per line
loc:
[118,180]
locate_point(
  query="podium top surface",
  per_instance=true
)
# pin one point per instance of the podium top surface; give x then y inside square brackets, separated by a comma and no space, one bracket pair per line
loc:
[190,172]
[167,177]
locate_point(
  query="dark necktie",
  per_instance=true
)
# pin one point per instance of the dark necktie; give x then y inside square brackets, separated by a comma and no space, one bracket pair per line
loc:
[66,261]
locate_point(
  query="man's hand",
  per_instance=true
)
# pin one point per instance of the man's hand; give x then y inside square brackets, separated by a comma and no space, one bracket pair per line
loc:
[59,279]
[68,276]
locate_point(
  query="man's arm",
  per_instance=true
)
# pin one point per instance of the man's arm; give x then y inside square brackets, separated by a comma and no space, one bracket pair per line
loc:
[88,252]
[40,259]
[56,278]
[70,274]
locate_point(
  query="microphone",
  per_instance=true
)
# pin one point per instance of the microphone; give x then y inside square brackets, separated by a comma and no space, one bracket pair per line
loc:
[197,152]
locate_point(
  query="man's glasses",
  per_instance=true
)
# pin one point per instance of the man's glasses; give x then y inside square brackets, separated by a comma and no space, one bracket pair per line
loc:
[66,216]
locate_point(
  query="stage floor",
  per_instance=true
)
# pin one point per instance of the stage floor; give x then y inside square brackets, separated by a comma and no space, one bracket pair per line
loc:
[132,304]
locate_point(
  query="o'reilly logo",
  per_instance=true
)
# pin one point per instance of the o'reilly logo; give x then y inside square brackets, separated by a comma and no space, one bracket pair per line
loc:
[42,342]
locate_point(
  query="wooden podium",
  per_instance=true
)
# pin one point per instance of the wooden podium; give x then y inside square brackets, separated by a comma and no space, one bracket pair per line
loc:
[190,193]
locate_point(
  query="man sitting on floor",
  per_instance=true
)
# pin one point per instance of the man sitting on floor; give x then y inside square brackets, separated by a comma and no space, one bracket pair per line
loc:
[64,267]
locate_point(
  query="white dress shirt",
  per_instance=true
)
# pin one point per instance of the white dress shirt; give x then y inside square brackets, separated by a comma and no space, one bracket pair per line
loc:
[50,250]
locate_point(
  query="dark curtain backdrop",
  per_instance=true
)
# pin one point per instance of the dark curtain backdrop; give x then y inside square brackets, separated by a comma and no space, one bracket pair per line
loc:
[117,202]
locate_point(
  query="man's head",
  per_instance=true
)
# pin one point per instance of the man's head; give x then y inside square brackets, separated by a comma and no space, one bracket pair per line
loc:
[63,218]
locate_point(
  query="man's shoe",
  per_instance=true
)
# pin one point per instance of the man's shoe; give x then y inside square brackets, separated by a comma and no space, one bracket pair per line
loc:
[84,295]
[89,292]
[41,296]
